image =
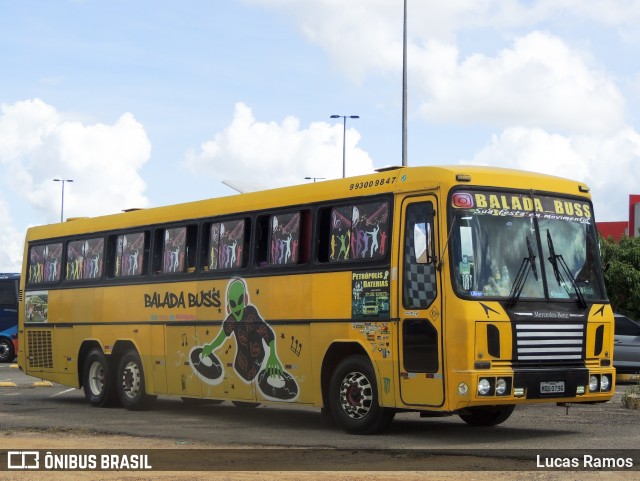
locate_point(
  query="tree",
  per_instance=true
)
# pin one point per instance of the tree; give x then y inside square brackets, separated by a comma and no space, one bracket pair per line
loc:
[621,266]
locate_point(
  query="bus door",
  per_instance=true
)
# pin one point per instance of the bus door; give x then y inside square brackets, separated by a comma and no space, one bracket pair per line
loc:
[420,310]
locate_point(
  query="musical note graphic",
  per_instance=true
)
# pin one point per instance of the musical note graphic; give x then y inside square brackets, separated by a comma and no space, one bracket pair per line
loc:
[296,347]
[181,356]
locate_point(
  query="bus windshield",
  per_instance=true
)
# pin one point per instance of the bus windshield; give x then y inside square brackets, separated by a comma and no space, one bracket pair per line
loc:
[516,245]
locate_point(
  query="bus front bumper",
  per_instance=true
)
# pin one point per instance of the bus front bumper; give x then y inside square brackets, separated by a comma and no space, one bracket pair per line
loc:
[568,384]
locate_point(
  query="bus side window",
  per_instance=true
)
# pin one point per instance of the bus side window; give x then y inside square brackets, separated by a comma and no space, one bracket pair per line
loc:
[262,241]
[369,230]
[211,244]
[228,245]
[340,233]
[191,248]
[358,232]
[175,249]
[305,238]
[323,235]
[85,259]
[284,239]
[131,250]
[45,263]
[8,294]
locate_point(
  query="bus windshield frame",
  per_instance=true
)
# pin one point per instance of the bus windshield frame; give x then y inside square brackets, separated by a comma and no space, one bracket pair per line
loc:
[514,245]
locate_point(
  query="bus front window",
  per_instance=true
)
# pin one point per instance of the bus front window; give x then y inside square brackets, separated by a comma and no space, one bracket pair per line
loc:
[511,246]
[488,253]
[570,253]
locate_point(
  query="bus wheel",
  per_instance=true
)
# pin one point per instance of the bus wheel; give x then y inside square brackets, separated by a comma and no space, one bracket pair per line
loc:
[97,379]
[487,415]
[130,383]
[353,398]
[244,404]
[7,353]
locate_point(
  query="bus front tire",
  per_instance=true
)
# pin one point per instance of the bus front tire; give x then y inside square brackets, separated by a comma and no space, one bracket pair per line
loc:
[353,398]
[97,379]
[487,415]
[7,353]
[130,383]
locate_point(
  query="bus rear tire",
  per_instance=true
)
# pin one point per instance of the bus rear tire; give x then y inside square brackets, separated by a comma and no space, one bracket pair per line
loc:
[353,398]
[487,415]
[97,379]
[7,353]
[130,383]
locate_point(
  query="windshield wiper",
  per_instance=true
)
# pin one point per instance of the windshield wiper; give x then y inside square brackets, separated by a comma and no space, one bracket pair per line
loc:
[557,259]
[528,264]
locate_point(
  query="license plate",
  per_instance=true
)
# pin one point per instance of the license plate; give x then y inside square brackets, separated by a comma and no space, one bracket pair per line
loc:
[551,387]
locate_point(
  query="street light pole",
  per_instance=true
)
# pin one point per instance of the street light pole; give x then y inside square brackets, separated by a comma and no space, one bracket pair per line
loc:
[344,138]
[62,204]
[404,87]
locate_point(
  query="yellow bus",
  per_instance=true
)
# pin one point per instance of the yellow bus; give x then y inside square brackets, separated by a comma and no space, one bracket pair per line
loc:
[439,290]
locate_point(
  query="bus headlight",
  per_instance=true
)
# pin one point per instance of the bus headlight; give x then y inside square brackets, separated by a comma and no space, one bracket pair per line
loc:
[463,389]
[605,383]
[593,383]
[501,386]
[484,386]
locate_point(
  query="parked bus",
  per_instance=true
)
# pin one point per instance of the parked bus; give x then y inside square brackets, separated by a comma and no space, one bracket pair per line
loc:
[9,284]
[490,282]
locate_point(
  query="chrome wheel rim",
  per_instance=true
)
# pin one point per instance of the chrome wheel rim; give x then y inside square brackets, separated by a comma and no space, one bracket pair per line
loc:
[131,377]
[96,378]
[356,395]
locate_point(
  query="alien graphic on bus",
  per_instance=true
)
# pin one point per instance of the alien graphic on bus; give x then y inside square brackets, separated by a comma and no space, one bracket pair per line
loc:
[252,335]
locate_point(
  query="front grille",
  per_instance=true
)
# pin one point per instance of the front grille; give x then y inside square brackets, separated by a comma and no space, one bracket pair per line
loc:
[549,344]
[39,349]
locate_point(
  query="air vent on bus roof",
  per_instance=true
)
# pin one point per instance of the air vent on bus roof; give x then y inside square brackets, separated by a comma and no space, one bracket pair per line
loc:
[388,167]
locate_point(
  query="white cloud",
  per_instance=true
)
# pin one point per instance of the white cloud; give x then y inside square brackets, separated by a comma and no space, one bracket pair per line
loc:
[538,82]
[606,164]
[367,34]
[359,35]
[271,154]
[37,144]
[619,13]
[322,20]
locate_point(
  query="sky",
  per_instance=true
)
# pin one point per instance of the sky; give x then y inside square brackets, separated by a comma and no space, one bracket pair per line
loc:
[154,102]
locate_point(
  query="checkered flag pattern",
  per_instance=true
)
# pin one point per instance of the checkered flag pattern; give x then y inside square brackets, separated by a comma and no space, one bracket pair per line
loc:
[420,287]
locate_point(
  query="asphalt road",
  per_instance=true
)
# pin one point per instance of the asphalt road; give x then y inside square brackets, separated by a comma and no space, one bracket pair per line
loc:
[24,407]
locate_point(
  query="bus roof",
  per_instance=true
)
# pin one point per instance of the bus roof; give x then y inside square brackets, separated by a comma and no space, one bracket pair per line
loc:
[389,180]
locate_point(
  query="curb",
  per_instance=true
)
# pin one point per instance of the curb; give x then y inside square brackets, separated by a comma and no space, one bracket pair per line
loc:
[42,384]
[7,384]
